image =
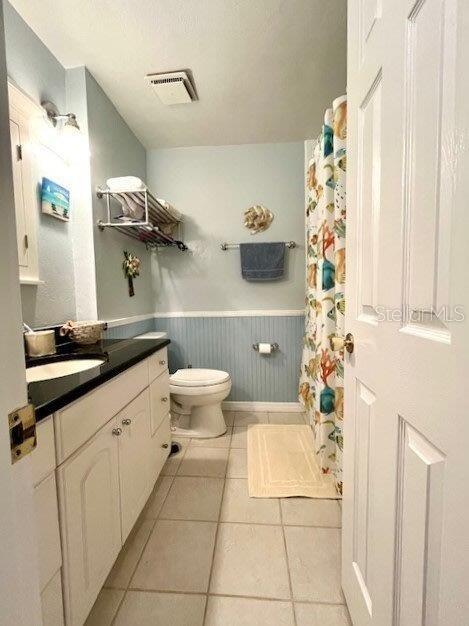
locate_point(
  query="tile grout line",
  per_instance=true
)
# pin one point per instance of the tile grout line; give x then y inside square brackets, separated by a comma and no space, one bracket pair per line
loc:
[230,595]
[148,538]
[287,562]
[217,529]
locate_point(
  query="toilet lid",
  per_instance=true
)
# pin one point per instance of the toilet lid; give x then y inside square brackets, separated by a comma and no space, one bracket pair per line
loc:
[195,377]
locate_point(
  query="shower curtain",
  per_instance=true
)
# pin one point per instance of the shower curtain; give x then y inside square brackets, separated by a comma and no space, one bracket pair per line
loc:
[322,370]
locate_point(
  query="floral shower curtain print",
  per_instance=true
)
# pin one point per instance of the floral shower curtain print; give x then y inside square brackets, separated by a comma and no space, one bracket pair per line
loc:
[322,370]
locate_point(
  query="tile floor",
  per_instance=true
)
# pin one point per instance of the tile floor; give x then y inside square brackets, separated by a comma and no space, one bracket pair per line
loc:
[205,554]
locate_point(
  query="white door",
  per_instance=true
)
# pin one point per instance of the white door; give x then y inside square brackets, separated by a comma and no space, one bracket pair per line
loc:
[88,486]
[134,459]
[406,466]
[19,576]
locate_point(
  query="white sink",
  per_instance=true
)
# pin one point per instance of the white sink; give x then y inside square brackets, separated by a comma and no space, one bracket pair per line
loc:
[57,369]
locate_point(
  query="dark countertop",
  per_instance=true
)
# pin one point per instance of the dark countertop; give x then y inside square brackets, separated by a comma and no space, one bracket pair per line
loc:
[120,354]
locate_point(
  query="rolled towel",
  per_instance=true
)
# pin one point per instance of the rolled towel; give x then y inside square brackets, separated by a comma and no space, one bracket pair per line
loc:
[130,208]
[125,183]
[169,207]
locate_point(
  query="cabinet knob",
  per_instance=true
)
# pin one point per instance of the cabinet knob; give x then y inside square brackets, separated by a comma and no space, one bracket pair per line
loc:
[165,445]
[162,362]
[127,421]
[117,431]
[164,399]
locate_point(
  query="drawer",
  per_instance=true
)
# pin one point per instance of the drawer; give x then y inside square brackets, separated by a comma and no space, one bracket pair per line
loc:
[80,420]
[43,456]
[161,447]
[158,363]
[48,534]
[52,602]
[159,400]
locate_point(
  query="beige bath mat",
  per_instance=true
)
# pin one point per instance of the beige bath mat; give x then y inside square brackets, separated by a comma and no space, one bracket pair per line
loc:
[282,463]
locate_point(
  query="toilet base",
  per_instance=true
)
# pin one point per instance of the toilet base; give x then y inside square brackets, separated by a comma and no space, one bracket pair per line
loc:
[203,422]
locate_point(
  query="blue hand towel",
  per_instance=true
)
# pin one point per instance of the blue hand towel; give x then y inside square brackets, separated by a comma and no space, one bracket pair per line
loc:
[262,261]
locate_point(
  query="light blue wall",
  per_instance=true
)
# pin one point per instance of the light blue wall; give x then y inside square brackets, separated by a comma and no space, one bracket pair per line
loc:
[34,69]
[212,186]
[126,331]
[225,343]
[115,151]
[30,64]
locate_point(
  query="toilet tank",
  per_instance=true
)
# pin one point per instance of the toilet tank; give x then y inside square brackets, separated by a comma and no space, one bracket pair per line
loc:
[152,335]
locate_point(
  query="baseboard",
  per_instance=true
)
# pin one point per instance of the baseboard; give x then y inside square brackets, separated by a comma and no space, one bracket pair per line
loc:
[272,407]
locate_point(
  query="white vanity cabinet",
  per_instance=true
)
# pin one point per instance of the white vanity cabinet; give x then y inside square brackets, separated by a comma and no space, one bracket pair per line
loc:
[111,445]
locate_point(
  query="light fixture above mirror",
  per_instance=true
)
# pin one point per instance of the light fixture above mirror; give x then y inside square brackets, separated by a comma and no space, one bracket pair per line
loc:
[69,119]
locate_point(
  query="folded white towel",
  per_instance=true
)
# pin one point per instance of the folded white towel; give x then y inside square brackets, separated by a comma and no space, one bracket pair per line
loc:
[130,208]
[125,183]
[169,207]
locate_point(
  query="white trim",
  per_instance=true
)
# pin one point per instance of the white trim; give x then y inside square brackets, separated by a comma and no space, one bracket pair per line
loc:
[271,407]
[31,281]
[252,313]
[122,321]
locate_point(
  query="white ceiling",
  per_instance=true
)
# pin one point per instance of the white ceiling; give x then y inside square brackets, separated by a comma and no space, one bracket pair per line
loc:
[264,70]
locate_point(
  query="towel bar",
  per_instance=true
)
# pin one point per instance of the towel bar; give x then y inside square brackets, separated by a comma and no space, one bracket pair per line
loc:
[231,246]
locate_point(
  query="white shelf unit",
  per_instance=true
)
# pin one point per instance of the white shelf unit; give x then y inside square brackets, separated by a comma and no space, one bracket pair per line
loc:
[157,228]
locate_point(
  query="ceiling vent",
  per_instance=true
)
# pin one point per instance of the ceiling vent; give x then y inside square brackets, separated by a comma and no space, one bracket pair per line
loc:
[172,88]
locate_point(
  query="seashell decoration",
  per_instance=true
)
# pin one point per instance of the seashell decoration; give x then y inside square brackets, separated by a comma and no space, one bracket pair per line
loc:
[257,218]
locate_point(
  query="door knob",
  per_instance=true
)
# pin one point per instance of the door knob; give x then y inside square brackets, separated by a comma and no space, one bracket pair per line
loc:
[339,343]
[164,399]
[163,362]
[117,431]
[165,445]
[349,343]
[127,421]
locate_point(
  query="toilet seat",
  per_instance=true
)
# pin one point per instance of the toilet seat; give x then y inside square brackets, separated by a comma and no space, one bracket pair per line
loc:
[198,377]
[199,390]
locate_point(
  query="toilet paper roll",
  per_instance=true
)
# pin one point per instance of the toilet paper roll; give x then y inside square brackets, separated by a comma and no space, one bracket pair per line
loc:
[265,348]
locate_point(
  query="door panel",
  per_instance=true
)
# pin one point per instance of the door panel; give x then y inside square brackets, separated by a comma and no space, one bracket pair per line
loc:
[369,137]
[421,477]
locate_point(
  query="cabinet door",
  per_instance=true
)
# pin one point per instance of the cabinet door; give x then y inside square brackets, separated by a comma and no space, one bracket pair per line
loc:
[160,448]
[20,202]
[23,147]
[159,396]
[90,521]
[134,459]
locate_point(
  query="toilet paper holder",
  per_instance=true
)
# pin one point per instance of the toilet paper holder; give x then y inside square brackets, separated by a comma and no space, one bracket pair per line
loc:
[273,346]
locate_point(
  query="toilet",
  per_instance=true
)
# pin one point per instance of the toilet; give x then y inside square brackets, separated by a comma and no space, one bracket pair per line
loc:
[196,397]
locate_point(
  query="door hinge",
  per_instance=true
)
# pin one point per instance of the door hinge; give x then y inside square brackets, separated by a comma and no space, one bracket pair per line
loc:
[22,424]
[26,242]
[19,153]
